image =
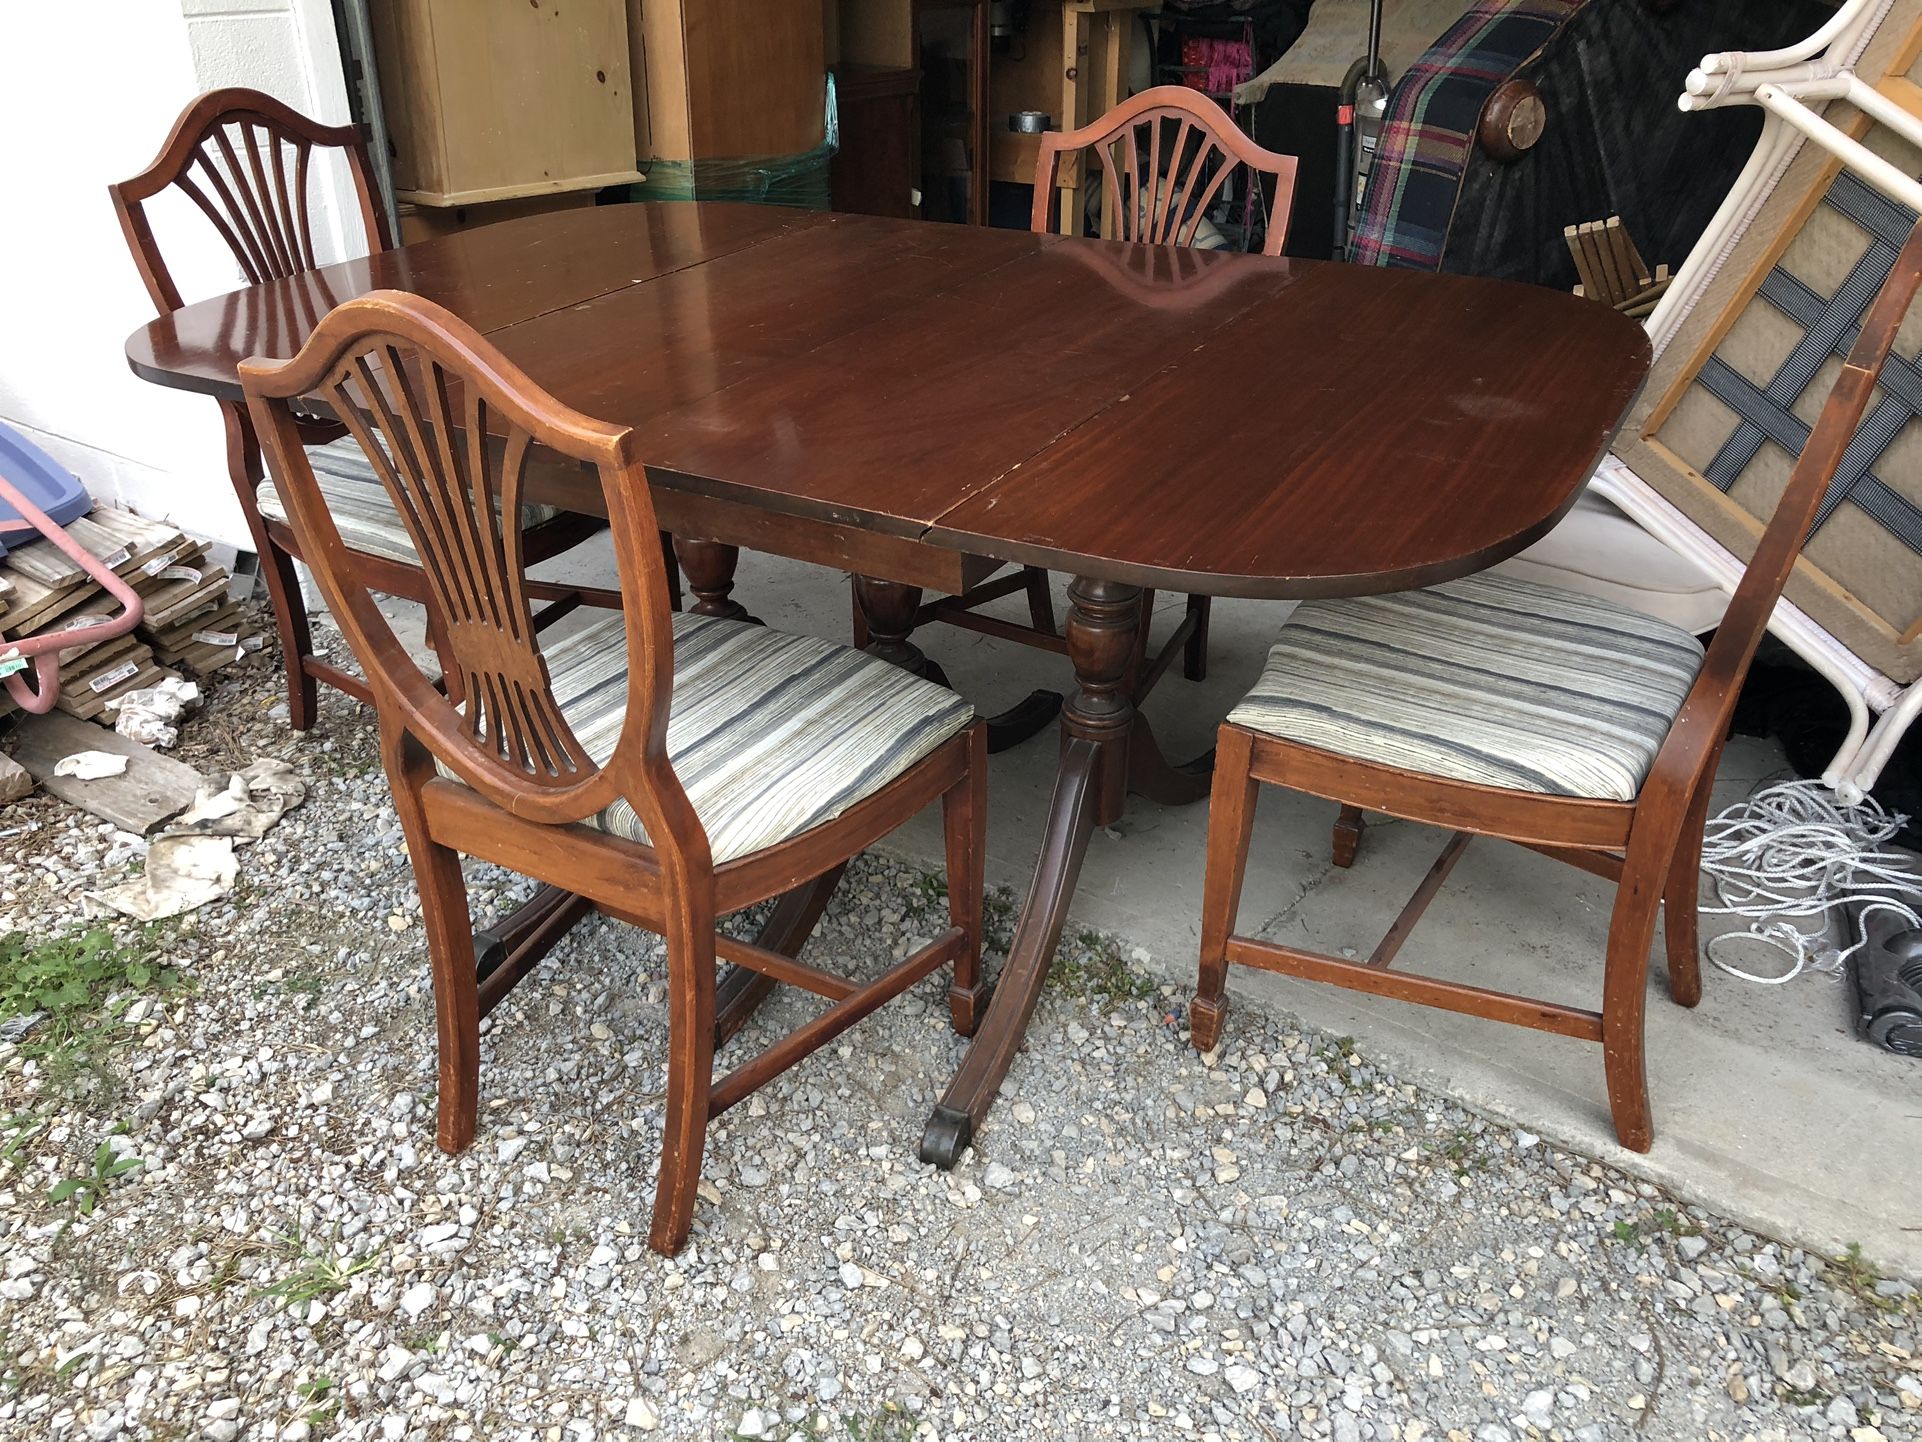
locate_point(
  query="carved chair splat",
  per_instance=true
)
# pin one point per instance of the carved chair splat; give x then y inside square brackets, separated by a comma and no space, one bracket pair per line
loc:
[1165,156]
[246,162]
[505,766]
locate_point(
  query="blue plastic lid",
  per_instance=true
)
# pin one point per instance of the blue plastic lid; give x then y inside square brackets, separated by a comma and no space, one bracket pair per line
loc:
[43,481]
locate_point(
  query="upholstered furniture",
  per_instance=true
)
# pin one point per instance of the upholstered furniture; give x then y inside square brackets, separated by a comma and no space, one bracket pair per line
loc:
[1497,707]
[664,769]
[245,160]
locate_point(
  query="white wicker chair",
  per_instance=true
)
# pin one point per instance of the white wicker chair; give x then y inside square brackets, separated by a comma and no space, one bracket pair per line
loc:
[1790,85]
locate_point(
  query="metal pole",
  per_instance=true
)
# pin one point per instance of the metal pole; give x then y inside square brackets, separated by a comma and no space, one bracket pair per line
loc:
[360,39]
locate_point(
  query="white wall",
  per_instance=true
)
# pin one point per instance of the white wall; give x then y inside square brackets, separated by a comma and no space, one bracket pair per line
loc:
[88,91]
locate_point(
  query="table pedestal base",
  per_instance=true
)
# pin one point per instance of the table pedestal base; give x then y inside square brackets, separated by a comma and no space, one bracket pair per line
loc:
[1107,750]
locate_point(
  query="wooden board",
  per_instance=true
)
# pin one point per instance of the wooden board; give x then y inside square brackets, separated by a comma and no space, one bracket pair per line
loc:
[152,790]
[756,77]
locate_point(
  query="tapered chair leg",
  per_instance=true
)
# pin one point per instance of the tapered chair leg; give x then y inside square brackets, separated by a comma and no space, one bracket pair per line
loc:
[690,1078]
[964,818]
[1681,898]
[277,571]
[1040,599]
[449,925]
[282,576]
[1347,838]
[1194,658]
[1631,934]
[1231,818]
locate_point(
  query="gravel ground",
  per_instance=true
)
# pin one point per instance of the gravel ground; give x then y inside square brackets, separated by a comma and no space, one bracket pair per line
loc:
[1282,1241]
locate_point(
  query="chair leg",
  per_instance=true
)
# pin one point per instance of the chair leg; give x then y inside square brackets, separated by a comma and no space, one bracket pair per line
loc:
[964,818]
[245,470]
[1194,658]
[1631,934]
[673,563]
[1681,898]
[1231,817]
[450,953]
[1347,841]
[690,1075]
[861,635]
[1040,599]
[277,568]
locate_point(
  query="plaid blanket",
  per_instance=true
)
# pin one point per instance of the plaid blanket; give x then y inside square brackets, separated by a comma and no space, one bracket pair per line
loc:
[1429,133]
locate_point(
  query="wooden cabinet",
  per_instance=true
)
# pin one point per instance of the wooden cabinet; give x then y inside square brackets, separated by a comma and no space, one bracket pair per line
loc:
[499,99]
[877,171]
[727,79]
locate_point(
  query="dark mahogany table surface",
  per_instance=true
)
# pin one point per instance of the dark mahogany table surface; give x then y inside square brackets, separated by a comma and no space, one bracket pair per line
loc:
[1200,421]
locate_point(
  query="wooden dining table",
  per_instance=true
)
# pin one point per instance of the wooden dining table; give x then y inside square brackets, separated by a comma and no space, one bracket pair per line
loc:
[920,404]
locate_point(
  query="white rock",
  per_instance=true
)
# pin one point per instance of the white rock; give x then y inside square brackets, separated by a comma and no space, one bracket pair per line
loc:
[997,1178]
[417,1299]
[641,1415]
[394,1363]
[1242,1378]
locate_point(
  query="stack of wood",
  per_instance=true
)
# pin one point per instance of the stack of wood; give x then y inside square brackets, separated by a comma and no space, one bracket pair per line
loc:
[52,592]
[1612,269]
[188,621]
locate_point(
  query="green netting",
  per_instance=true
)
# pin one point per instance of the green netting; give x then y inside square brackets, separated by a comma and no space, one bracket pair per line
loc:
[799,180]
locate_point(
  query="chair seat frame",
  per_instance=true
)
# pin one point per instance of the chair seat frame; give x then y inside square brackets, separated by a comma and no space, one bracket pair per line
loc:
[1651,847]
[520,790]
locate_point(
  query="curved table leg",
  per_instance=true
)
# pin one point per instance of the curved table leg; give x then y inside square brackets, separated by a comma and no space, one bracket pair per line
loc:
[1153,775]
[1103,619]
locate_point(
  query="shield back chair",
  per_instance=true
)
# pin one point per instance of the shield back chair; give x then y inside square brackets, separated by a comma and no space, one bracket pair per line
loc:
[1500,707]
[1164,158]
[245,160]
[664,767]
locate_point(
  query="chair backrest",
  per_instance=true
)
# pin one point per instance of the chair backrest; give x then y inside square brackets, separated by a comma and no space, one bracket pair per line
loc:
[448,424]
[1165,155]
[1712,701]
[244,159]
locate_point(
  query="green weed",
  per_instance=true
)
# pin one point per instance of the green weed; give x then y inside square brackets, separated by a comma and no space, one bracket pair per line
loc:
[317,1273]
[86,1192]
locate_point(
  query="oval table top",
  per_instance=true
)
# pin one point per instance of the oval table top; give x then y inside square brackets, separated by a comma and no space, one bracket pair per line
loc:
[1196,421]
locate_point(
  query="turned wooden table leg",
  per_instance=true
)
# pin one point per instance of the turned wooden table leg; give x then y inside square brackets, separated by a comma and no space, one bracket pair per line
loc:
[1090,789]
[884,614]
[709,569]
[888,610]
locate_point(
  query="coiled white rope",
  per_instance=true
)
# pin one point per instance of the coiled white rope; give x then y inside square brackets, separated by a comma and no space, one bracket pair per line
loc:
[1792,853]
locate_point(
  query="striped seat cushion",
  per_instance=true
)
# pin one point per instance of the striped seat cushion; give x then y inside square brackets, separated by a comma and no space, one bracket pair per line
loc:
[1491,680]
[770,733]
[360,505]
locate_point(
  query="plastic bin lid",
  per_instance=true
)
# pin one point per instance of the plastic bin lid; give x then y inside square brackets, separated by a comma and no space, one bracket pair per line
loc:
[43,481]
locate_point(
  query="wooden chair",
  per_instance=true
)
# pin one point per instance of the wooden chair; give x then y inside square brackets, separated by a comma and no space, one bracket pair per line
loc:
[666,768]
[1503,708]
[1165,156]
[244,159]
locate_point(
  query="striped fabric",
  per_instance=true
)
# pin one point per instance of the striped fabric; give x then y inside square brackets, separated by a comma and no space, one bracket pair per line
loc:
[1428,134]
[1489,679]
[360,505]
[770,733]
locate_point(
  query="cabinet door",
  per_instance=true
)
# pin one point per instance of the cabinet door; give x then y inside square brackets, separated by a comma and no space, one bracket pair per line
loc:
[951,50]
